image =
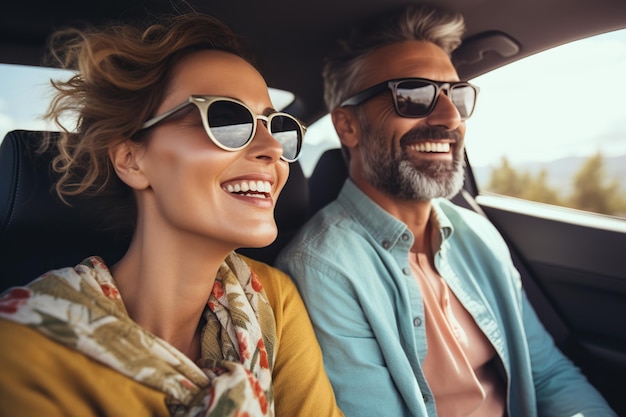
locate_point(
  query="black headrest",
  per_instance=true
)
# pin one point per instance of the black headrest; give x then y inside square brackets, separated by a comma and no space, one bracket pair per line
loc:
[38,232]
[327,178]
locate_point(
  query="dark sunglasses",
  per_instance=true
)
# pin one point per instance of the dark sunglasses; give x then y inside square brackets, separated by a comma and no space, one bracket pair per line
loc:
[231,125]
[417,97]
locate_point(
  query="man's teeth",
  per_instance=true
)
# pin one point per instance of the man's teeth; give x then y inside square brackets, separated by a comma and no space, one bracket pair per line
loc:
[431,147]
[246,186]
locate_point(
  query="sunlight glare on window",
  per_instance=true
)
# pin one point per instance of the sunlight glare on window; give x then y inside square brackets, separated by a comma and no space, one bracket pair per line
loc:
[547,123]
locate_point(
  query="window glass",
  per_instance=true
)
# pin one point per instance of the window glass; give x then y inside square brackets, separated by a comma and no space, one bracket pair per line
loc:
[552,127]
[25,93]
[320,136]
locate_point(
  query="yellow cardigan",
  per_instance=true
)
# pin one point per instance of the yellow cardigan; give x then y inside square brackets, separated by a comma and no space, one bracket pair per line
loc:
[39,377]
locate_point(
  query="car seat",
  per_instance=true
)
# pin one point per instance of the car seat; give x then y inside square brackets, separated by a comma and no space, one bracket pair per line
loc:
[327,178]
[38,232]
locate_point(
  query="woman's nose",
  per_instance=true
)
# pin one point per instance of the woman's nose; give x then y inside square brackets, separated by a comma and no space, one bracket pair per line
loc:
[264,145]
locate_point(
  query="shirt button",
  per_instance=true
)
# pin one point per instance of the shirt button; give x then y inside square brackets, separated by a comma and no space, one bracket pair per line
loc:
[426,398]
[406,271]
[417,322]
[386,244]
[405,236]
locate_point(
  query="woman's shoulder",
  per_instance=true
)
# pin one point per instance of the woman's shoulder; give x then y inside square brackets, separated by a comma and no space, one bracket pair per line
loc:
[33,363]
[279,289]
[272,278]
[26,347]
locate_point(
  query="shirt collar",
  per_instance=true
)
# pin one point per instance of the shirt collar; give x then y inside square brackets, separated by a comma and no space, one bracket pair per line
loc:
[442,221]
[385,228]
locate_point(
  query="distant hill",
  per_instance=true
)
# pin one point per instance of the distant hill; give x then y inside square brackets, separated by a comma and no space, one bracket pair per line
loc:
[560,171]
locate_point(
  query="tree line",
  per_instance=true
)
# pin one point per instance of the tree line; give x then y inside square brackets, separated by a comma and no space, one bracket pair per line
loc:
[592,189]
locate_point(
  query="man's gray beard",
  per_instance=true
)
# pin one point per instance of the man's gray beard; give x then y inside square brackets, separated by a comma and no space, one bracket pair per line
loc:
[439,180]
[398,176]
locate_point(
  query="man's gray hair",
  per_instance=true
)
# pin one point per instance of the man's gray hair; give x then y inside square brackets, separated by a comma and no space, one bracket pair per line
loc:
[343,71]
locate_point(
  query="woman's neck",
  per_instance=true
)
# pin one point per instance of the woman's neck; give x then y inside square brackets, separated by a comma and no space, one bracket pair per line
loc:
[165,284]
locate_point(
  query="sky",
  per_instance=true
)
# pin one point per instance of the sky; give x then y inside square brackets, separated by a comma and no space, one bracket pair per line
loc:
[567,102]
[24,95]
[531,110]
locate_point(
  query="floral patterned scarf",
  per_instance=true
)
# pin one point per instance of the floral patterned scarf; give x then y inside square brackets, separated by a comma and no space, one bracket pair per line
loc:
[81,308]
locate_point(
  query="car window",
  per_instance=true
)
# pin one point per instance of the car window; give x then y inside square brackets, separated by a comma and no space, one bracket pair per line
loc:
[24,96]
[552,127]
[320,136]
[25,93]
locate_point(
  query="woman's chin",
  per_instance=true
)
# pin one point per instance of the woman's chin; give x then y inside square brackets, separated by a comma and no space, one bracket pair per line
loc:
[261,239]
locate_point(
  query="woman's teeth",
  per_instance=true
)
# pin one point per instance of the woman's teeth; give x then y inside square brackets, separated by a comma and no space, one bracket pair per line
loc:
[246,186]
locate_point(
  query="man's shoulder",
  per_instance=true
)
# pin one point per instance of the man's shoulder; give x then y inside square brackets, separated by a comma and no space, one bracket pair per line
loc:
[327,221]
[459,216]
[329,233]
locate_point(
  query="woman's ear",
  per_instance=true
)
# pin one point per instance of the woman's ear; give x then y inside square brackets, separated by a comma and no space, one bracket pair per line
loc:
[347,126]
[125,157]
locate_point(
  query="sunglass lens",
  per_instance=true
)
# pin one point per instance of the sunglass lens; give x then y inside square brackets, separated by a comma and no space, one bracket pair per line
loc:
[231,123]
[286,130]
[464,98]
[415,98]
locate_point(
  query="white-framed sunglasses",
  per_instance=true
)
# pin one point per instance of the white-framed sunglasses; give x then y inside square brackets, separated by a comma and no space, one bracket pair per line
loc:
[231,125]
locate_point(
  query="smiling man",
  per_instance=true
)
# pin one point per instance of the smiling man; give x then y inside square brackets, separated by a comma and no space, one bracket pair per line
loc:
[415,301]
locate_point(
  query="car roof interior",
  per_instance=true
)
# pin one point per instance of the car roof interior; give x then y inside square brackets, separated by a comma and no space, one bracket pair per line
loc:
[290,39]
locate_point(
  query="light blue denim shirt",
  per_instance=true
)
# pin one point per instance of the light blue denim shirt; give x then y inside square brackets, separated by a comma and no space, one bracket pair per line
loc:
[351,265]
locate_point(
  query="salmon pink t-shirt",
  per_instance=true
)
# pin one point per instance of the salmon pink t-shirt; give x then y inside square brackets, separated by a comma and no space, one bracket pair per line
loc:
[460,363]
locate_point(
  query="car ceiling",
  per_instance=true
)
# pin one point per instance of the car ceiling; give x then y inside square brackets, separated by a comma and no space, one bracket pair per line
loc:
[289,38]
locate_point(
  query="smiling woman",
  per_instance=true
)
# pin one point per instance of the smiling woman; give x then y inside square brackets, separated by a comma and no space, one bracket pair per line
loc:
[180,325]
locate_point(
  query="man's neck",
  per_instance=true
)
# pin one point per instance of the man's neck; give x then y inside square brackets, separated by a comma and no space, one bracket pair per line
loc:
[415,214]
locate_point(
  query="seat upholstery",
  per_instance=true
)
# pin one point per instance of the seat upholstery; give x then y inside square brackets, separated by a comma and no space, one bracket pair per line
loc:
[38,232]
[327,179]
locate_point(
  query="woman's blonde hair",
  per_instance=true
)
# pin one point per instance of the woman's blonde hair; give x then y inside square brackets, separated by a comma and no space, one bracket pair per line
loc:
[122,74]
